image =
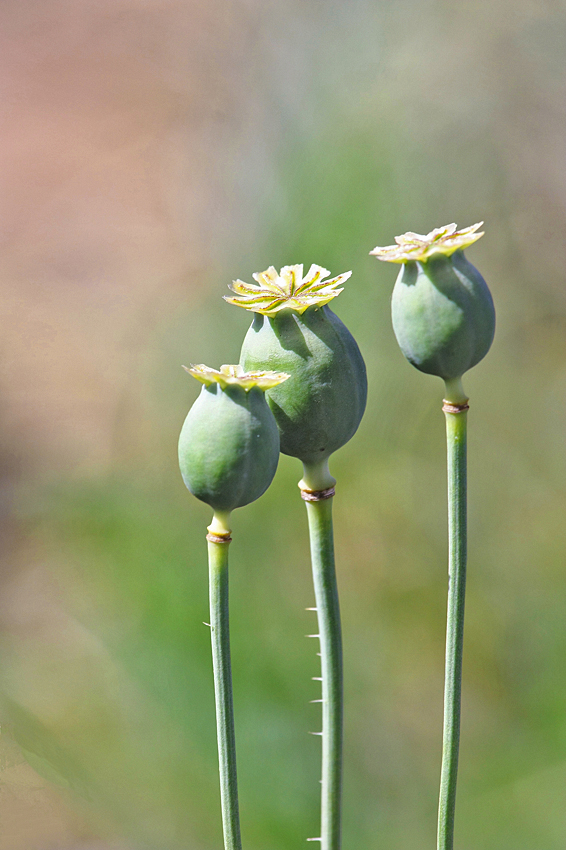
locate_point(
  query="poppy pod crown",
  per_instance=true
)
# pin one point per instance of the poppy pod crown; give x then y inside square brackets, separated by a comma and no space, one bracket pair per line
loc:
[287,289]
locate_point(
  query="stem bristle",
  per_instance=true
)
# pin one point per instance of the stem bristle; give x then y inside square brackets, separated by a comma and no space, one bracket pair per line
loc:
[326,592]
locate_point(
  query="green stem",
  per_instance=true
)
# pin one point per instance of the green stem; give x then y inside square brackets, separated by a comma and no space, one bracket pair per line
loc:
[220,635]
[455,410]
[326,593]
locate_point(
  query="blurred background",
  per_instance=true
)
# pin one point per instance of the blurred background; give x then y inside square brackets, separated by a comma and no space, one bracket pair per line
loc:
[152,150]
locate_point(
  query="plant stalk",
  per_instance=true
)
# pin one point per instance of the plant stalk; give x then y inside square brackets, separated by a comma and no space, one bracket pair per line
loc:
[455,409]
[218,543]
[328,611]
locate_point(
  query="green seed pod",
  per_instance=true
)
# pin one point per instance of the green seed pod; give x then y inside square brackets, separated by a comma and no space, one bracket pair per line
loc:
[229,443]
[442,309]
[319,409]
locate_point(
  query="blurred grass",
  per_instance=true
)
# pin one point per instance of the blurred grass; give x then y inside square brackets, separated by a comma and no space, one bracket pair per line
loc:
[107,670]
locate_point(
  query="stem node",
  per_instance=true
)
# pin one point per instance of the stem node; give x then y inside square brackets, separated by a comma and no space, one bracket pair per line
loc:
[317,495]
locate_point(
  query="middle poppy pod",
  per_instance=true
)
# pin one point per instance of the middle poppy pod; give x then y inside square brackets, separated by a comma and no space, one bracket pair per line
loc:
[321,405]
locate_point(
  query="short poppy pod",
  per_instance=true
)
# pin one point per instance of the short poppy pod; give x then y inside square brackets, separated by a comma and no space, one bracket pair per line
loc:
[229,443]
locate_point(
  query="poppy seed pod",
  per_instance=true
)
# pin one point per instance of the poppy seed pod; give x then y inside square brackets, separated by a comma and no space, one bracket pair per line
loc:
[229,443]
[320,407]
[442,310]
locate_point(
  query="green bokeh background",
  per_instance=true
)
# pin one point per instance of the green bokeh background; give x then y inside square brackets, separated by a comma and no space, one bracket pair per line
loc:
[363,120]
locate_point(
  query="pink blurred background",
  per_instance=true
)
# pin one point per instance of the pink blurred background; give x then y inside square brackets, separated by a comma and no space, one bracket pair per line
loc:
[150,150]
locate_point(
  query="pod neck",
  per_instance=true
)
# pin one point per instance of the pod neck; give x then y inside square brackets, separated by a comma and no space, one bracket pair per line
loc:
[220,525]
[455,391]
[316,476]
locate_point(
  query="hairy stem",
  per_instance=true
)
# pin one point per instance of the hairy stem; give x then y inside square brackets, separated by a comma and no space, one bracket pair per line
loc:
[455,409]
[220,635]
[322,555]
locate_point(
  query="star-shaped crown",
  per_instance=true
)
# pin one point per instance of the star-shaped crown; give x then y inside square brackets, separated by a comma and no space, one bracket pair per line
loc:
[286,290]
[235,376]
[413,247]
